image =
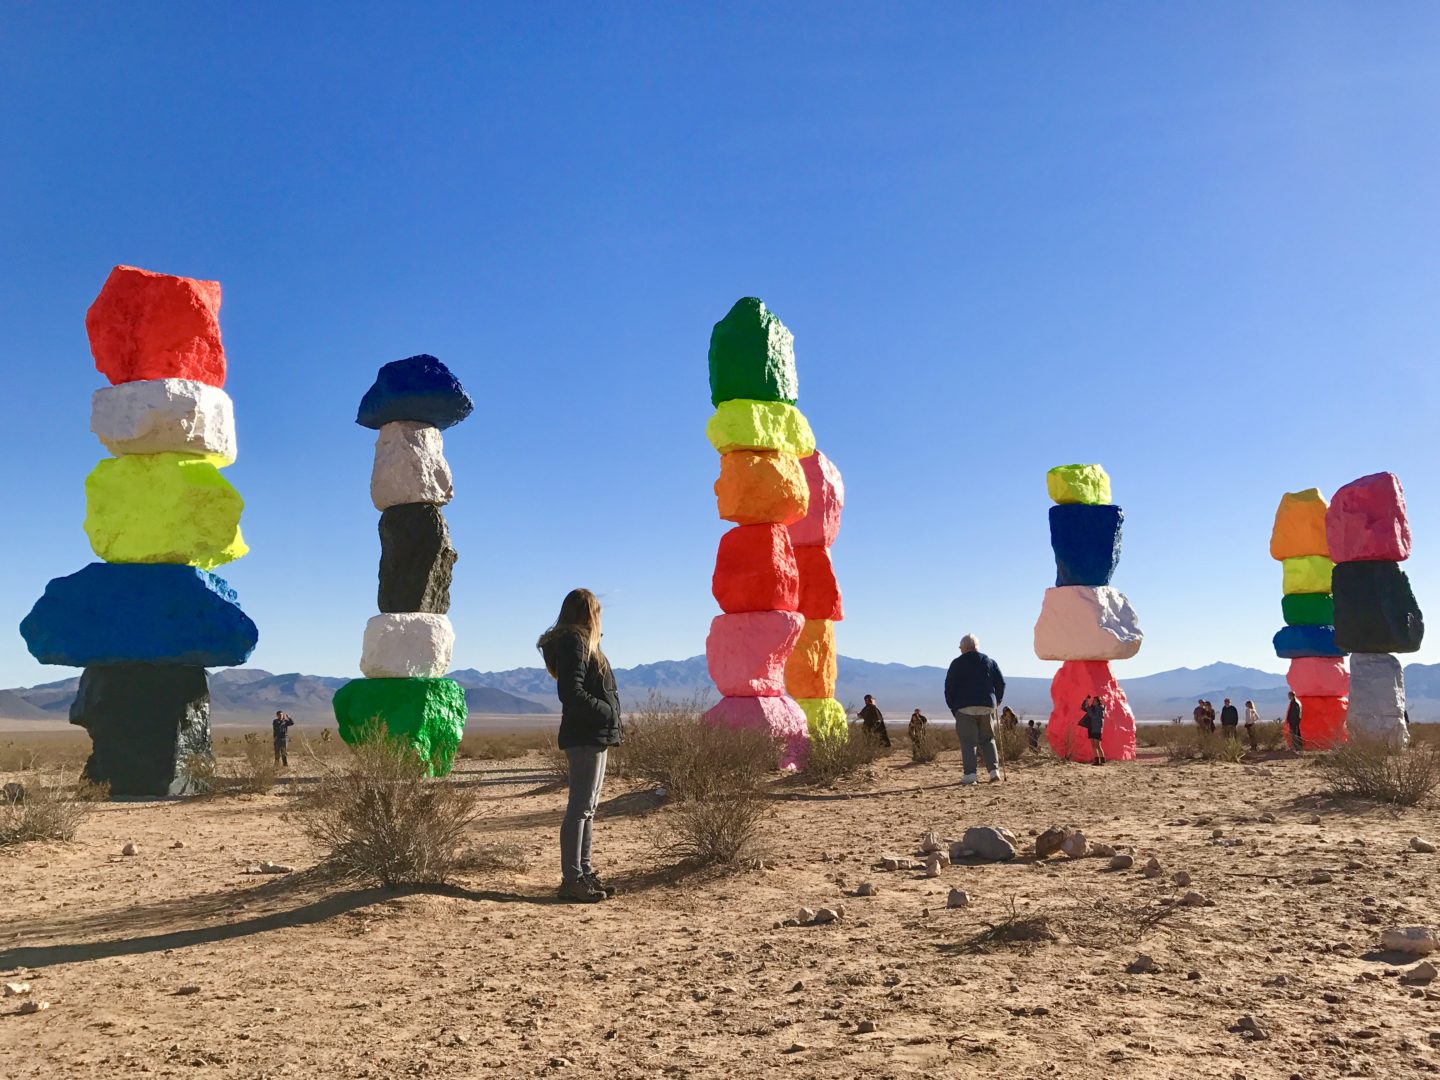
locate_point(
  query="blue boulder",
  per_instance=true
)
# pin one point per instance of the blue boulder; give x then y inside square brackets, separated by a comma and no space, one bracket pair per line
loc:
[139,613]
[1294,642]
[1086,539]
[418,388]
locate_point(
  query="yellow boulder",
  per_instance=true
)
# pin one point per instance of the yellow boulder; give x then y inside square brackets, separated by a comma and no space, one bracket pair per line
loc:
[1079,484]
[1307,574]
[825,717]
[760,425]
[1299,526]
[163,508]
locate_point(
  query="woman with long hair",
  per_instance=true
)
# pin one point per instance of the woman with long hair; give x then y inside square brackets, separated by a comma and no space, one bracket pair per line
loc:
[589,726]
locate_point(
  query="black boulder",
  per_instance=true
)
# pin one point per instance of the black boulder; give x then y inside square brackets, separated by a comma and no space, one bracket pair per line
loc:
[148,723]
[1375,609]
[416,560]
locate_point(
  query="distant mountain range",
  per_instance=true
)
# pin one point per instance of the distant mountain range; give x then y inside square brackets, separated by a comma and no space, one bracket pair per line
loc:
[251,695]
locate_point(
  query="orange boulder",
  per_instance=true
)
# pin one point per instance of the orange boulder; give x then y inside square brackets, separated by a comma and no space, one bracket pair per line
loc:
[758,487]
[755,570]
[1299,528]
[811,670]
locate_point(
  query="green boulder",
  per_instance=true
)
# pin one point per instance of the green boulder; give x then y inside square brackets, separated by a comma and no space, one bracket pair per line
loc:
[825,717]
[752,356]
[760,425]
[163,508]
[1088,484]
[1308,609]
[428,715]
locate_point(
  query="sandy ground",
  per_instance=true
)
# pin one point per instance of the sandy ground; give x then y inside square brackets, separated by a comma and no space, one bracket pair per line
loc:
[294,977]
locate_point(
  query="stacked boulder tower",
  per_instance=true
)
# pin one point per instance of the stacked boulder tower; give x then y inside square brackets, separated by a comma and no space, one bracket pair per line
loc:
[1376,615]
[1317,672]
[146,621]
[762,489]
[811,671]
[1085,622]
[408,646]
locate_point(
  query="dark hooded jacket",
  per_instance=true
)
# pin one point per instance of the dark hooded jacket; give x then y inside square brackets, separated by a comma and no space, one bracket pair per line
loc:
[589,705]
[973,680]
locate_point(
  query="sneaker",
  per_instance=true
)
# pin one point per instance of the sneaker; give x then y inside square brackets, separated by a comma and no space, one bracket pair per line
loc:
[994,776]
[968,779]
[579,892]
[595,882]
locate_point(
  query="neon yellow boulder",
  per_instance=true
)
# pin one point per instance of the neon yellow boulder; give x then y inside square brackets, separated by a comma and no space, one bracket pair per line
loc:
[825,717]
[1088,484]
[163,508]
[1307,574]
[760,425]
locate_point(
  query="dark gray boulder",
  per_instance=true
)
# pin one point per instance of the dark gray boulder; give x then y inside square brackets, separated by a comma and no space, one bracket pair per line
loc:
[416,560]
[145,723]
[1375,609]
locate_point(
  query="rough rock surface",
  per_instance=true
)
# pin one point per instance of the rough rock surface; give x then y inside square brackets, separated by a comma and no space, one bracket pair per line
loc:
[159,415]
[427,714]
[752,355]
[1296,641]
[988,843]
[811,670]
[407,646]
[1086,542]
[760,425]
[824,717]
[746,652]
[1410,940]
[119,613]
[1308,609]
[1073,683]
[145,325]
[1322,722]
[419,389]
[755,570]
[821,523]
[760,487]
[416,559]
[1306,574]
[1078,484]
[1375,609]
[145,723]
[1377,696]
[1367,520]
[819,591]
[1318,676]
[410,466]
[163,508]
[1078,622]
[1299,527]
[779,716]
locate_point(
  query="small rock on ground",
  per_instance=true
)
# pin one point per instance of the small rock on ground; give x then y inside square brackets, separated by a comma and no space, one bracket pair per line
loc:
[131,848]
[1422,974]
[958,898]
[1122,862]
[1410,940]
[1418,843]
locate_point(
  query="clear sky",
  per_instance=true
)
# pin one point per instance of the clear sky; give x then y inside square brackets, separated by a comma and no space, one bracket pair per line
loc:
[1196,242]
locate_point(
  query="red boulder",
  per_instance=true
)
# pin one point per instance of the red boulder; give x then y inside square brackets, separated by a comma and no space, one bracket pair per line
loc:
[145,325]
[819,591]
[755,570]
[1322,722]
[1074,682]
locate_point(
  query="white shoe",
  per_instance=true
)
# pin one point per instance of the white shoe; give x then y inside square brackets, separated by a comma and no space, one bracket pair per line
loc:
[968,779]
[994,776]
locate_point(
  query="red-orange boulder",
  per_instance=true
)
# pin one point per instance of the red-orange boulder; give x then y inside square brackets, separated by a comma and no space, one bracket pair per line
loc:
[1322,722]
[819,591]
[755,570]
[145,325]
[1074,682]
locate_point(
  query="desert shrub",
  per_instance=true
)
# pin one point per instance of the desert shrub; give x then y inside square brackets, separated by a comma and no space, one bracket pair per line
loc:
[1153,735]
[204,774]
[381,819]
[1185,743]
[841,755]
[1270,734]
[668,745]
[557,765]
[722,828]
[502,747]
[1373,768]
[45,808]
[1012,742]
[255,772]
[922,746]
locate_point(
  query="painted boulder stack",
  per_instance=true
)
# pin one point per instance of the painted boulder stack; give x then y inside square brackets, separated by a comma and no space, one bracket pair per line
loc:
[764,489]
[1317,674]
[147,620]
[1084,621]
[811,671]
[407,647]
[1376,614]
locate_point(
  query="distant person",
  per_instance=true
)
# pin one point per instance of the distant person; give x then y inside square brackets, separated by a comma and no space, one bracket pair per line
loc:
[589,726]
[918,720]
[1032,732]
[1008,719]
[1209,718]
[280,734]
[1230,720]
[974,689]
[872,720]
[1251,719]
[1292,721]
[1095,725]
[1200,714]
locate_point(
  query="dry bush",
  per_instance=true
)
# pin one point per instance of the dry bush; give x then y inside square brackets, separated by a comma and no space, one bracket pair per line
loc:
[722,828]
[1374,768]
[381,819]
[503,747]
[45,808]
[1185,743]
[1012,742]
[1022,931]
[256,772]
[557,765]
[1270,734]
[923,746]
[841,755]
[668,745]
[203,772]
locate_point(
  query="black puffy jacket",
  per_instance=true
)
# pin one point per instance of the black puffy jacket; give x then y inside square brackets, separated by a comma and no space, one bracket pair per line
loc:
[973,680]
[589,705]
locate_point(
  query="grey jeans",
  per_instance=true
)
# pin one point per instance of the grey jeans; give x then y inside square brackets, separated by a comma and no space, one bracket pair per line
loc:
[975,728]
[587,777]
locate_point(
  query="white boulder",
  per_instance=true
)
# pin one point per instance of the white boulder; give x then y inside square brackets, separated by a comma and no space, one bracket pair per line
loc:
[410,466]
[154,416]
[1084,622]
[412,645]
[1377,696]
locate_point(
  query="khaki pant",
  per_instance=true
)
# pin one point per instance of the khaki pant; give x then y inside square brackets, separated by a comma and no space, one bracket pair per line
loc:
[975,728]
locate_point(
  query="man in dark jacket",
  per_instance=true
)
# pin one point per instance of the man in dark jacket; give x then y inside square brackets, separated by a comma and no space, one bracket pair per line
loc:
[1292,721]
[872,721]
[974,689]
[1230,720]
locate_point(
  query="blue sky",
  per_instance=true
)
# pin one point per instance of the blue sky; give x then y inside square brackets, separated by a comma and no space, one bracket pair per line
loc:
[1194,242]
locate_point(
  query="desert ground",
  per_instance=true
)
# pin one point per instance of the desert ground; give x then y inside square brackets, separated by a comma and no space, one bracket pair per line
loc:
[180,961]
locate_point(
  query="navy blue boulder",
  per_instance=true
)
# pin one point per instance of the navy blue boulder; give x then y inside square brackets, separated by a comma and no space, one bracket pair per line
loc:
[418,388]
[139,613]
[1086,539]
[1294,642]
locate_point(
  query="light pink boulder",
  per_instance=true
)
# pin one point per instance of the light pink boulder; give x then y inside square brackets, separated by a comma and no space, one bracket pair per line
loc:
[1318,676]
[1366,521]
[780,716]
[746,652]
[821,523]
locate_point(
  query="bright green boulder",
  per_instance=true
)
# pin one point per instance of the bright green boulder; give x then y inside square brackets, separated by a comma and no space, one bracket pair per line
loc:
[1088,484]
[824,716]
[760,425]
[1309,609]
[1306,574]
[752,355]
[428,715]
[163,508]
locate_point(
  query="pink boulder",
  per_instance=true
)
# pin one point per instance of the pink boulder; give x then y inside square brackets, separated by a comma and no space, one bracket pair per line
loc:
[1366,521]
[1319,676]
[821,523]
[1074,682]
[746,652]
[145,325]
[780,716]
